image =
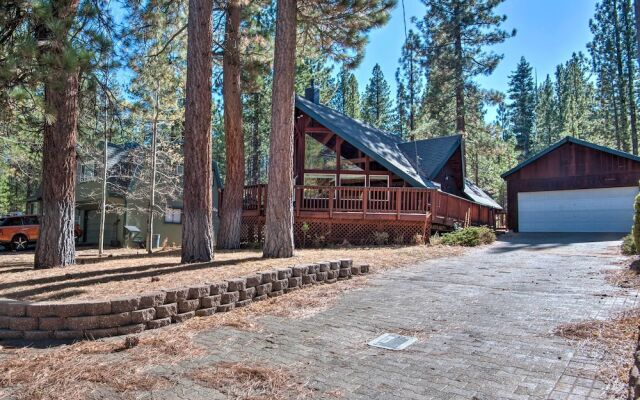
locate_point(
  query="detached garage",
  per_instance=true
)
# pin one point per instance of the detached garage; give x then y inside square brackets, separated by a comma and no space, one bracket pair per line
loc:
[573,186]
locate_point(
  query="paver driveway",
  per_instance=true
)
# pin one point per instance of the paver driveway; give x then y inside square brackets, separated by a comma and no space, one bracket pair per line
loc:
[485,320]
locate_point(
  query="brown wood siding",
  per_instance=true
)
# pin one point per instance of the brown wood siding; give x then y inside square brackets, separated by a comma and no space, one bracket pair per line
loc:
[569,167]
[453,170]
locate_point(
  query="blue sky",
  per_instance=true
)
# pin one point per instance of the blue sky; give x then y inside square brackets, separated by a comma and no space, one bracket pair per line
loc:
[548,31]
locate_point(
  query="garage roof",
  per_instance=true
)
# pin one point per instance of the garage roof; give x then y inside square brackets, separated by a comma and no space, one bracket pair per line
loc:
[569,139]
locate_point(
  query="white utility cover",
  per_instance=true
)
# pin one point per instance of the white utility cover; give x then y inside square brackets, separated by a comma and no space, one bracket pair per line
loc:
[585,210]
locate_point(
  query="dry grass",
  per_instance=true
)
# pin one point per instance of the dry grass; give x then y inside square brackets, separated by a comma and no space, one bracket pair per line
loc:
[130,271]
[251,382]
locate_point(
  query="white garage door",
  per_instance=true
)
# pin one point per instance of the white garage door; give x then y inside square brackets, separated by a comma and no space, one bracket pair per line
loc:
[587,210]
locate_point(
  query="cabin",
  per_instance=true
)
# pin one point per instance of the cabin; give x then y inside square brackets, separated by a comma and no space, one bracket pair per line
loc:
[359,184]
[573,186]
[126,221]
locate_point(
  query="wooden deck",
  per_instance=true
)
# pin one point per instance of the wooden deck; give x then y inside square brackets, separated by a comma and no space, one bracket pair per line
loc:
[442,210]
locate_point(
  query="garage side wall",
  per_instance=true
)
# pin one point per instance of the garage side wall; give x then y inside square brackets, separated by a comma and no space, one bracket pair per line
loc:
[570,166]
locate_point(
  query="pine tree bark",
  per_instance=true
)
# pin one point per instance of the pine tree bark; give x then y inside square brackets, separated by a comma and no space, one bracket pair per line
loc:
[631,74]
[255,141]
[197,224]
[459,75]
[56,244]
[278,240]
[621,77]
[231,210]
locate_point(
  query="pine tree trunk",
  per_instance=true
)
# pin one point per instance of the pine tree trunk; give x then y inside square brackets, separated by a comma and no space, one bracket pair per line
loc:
[459,75]
[278,240]
[631,74]
[154,167]
[56,244]
[231,211]
[197,223]
[621,77]
[255,141]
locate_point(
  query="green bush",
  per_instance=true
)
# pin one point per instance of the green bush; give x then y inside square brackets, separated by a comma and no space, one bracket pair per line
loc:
[471,236]
[380,238]
[628,246]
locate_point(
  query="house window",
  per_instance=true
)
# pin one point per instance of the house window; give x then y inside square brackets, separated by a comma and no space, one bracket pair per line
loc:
[353,180]
[351,159]
[88,172]
[318,155]
[173,215]
[180,170]
[320,181]
[378,180]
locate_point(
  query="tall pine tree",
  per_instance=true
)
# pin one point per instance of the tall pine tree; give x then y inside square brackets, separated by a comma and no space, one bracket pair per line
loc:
[376,102]
[522,107]
[456,34]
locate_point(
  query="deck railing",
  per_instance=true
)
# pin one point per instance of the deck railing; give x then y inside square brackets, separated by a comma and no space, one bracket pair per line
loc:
[377,203]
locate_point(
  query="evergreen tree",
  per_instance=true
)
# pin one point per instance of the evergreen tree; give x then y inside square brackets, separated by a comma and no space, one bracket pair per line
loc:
[401,125]
[456,34]
[613,52]
[546,115]
[410,75]
[376,102]
[352,103]
[522,107]
[575,96]
[346,98]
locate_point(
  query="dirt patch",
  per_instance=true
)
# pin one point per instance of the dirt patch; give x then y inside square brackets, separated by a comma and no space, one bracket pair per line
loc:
[126,271]
[249,382]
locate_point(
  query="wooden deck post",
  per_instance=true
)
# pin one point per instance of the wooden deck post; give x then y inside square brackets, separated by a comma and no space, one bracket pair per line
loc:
[365,201]
[298,200]
[332,192]
[398,203]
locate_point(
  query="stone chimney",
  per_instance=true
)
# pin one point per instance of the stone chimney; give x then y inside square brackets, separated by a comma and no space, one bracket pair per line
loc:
[312,93]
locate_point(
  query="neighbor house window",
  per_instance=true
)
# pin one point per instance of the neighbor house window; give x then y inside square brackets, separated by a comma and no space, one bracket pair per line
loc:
[88,172]
[173,215]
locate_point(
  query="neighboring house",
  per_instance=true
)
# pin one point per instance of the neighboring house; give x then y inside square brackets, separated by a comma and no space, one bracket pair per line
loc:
[353,180]
[127,199]
[573,186]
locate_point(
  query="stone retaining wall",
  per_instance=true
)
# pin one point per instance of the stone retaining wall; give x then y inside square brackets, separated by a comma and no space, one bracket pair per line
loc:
[133,314]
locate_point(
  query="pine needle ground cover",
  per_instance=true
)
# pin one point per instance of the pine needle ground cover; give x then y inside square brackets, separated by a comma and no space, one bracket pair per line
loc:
[122,368]
[124,271]
[614,339]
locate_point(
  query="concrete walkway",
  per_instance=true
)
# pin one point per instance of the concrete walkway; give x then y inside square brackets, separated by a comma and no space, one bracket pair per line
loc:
[484,320]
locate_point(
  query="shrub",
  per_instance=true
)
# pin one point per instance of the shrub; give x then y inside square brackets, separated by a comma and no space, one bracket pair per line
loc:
[628,246]
[471,236]
[380,238]
[399,240]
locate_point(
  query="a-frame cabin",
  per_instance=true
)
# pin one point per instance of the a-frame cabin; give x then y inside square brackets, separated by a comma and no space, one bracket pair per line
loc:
[354,182]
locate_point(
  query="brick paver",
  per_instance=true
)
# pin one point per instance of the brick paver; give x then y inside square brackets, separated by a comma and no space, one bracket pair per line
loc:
[485,322]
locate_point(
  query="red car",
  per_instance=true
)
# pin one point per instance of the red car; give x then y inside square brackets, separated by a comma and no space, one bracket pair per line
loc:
[18,232]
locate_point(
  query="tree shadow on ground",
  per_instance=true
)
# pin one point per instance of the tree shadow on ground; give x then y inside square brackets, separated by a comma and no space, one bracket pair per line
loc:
[545,241]
[76,280]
